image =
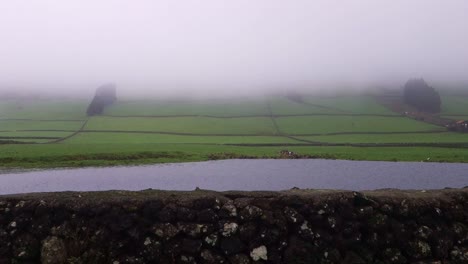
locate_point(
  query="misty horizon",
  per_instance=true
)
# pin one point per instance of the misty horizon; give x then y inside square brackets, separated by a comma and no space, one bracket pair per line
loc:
[211,47]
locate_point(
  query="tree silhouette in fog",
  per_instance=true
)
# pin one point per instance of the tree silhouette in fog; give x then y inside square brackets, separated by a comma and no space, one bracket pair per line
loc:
[420,95]
[105,96]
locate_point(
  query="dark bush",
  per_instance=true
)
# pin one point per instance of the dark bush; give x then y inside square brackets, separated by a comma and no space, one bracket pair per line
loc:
[419,94]
[105,96]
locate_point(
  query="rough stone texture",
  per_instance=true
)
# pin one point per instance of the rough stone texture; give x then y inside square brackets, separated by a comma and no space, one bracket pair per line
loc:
[297,226]
[53,251]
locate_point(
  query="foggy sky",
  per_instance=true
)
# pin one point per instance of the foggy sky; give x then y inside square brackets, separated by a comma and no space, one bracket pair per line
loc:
[195,46]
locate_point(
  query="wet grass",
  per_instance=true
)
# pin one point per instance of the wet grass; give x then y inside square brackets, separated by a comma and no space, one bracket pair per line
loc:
[139,138]
[80,155]
[445,137]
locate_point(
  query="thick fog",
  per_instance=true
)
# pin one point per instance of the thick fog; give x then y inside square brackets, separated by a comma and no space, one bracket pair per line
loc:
[203,46]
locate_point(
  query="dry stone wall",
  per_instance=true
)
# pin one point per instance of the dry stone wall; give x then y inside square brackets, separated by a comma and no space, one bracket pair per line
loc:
[297,226]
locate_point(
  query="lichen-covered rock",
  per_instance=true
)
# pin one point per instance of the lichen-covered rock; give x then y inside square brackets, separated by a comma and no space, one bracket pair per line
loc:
[293,216]
[393,256]
[418,250]
[165,231]
[250,212]
[194,230]
[228,210]
[53,251]
[152,249]
[229,229]
[209,257]
[259,253]
[211,240]
[423,232]
[459,255]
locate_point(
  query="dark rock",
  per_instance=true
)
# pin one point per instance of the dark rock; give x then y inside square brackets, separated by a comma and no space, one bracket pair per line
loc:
[186,214]
[353,258]
[211,240]
[228,210]
[459,255]
[151,209]
[152,250]
[361,200]
[194,230]
[293,216]
[26,247]
[192,246]
[393,256]
[165,231]
[239,259]
[207,216]
[247,231]
[167,214]
[186,259]
[206,203]
[209,257]
[423,232]
[461,232]
[300,251]
[418,250]
[231,245]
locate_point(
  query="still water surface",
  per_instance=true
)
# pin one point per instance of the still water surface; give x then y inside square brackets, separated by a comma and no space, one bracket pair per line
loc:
[242,175]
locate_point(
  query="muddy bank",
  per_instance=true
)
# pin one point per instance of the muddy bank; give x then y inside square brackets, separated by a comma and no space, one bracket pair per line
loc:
[297,226]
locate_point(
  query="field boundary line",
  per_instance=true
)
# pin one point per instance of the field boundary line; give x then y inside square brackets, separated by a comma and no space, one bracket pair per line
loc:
[42,120]
[253,116]
[69,136]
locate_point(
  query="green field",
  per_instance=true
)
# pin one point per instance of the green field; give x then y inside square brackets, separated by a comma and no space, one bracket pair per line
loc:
[196,125]
[454,105]
[51,132]
[344,124]
[219,108]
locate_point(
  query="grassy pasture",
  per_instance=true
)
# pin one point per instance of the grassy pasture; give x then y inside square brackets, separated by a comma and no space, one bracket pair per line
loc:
[202,107]
[350,104]
[392,138]
[197,125]
[136,138]
[51,134]
[341,124]
[17,125]
[43,109]
[66,155]
[285,106]
[454,105]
